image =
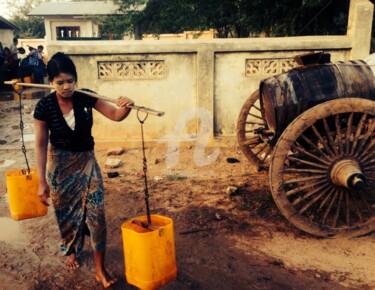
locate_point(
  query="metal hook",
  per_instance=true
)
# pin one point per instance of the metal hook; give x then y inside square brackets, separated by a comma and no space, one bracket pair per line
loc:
[139,119]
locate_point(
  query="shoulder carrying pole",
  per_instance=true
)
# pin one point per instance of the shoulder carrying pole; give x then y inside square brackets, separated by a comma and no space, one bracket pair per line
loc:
[100,97]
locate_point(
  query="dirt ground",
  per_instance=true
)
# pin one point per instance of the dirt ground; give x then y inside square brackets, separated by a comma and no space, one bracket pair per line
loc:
[228,232]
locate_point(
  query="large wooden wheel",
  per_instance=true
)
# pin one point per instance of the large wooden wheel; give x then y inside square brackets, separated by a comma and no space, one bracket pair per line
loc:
[322,171]
[253,135]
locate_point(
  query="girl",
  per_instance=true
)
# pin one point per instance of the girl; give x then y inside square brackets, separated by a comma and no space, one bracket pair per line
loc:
[72,176]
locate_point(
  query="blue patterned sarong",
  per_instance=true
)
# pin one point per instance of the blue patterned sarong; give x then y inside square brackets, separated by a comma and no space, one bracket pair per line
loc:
[78,198]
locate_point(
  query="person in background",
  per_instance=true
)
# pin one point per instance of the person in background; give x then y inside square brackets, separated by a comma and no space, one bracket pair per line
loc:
[44,56]
[35,59]
[72,175]
[43,61]
[14,50]
[11,64]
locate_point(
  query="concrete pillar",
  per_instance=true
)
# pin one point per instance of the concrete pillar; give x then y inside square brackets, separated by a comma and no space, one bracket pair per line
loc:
[359,27]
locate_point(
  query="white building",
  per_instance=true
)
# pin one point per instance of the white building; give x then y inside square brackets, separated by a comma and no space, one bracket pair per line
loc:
[73,20]
[7,29]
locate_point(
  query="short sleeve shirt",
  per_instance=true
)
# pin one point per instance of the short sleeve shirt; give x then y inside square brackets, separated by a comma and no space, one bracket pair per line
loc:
[34,58]
[61,135]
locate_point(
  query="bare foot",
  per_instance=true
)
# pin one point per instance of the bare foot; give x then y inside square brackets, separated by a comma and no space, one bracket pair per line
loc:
[105,279]
[72,262]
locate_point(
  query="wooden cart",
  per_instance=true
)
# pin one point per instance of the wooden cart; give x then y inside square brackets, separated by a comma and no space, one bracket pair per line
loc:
[313,128]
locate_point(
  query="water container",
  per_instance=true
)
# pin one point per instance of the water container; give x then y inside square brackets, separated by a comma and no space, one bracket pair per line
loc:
[284,97]
[18,88]
[23,197]
[150,259]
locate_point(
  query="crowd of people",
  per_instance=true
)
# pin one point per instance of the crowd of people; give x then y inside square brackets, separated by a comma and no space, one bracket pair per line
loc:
[34,64]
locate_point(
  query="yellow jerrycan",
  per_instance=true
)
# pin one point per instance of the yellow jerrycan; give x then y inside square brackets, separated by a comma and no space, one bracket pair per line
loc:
[23,197]
[150,259]
[17,88]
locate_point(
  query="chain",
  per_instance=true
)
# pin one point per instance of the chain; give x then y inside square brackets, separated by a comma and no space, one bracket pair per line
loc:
[144,166]
[23,147]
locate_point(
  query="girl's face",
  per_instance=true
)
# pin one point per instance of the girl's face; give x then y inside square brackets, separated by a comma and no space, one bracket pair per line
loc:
[64,85]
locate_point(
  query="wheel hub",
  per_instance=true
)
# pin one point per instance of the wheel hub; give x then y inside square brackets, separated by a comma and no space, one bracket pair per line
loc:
[347,173]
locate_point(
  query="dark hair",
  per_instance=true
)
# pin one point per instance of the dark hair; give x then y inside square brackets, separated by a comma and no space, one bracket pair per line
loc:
[40,46]
[60,63]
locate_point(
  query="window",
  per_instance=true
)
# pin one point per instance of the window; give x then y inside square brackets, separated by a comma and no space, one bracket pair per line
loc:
[68,32]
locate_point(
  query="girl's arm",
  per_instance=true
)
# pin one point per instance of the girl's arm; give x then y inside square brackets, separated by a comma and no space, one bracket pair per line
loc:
[41,145]
[113,113]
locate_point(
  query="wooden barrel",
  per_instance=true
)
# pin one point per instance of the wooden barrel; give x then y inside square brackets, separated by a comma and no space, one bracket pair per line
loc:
[284,97]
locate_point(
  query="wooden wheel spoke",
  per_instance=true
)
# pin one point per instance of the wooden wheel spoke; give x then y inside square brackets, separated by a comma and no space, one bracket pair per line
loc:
[316,148]
[358,133]
[261,149]
[366,137]
[308,194]
[347,208]
[250,131]
[252,146]
[324,142]
[367,149]
[369,166]
[254,123]
[256,107]
[329,135]
[307,171]
[358,212]
[312,201]
[303,179]
[338,133]
[268,152]
[324,201]
[302,150]
[304,187]
[371,185]
[252,140]
[255,116]
[336,216]
[368,158]
[348,133]
[328,209]
[361,194]
[291,158]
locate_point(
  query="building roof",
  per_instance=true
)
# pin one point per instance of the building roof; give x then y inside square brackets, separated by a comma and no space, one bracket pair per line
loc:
[74,8]
[5,24]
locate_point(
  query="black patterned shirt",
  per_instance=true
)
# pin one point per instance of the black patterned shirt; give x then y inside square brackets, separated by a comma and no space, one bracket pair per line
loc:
[61,135]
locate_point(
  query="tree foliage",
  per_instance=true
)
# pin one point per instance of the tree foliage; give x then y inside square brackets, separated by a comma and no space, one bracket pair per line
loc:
[240,18]
[230,18]
[30,26]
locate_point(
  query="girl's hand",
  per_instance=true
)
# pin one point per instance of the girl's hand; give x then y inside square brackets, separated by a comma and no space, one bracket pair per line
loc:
[124,102]
[43,193]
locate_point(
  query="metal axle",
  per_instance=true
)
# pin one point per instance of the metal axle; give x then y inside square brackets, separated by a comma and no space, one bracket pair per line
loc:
[347,173]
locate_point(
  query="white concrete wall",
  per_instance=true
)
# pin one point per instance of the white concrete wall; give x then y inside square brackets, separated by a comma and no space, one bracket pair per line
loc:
[190,80]
[199,83]
[6,37]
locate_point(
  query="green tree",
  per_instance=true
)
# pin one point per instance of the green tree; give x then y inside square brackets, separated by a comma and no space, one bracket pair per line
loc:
[168,16]
[239,18]
[115,25]
[133,11]
[30,26]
